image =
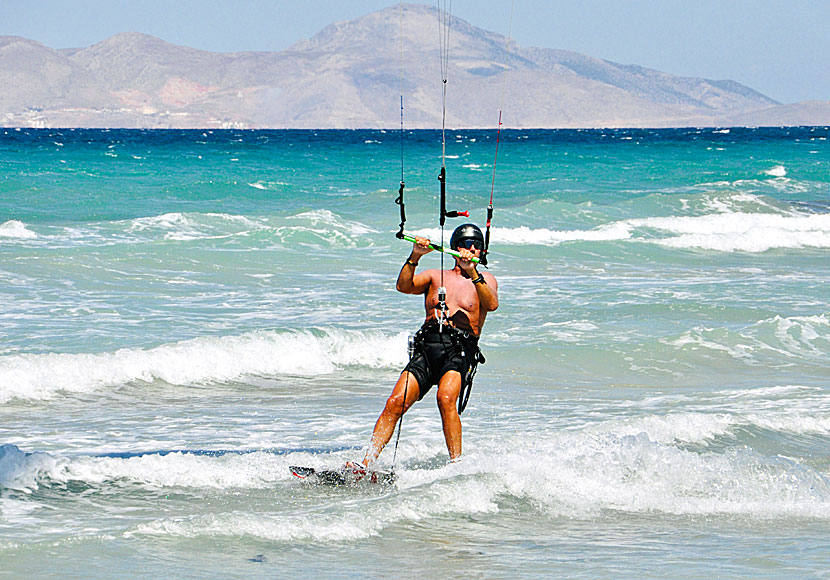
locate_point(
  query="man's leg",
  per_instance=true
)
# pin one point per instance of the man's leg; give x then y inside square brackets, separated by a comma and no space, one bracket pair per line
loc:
[448,390]
[395,407]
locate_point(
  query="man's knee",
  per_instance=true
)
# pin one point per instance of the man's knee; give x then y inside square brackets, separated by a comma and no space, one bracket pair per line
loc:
[395,404]
[448,392]
[446,401]
[407,388]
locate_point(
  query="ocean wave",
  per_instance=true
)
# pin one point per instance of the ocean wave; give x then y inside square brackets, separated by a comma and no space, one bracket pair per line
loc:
[27,472]
[702,428]
[461,498]
[581,475]
[707,219]
[621,467]
[739,223]
[773,184]
[807,336]
[324,221]
[317,228]
[723,232]
[20,471]
[523,235]
[320,227]
[575,474]
[191,226]
[16,230]
[774,340]
[739,202]
[688,427]
[740,232]
[200,360]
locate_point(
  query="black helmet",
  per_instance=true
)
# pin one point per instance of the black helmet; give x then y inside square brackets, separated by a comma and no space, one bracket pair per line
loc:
[467,232]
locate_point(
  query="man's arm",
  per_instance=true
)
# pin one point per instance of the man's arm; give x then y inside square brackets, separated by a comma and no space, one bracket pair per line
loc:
[487,290]
[486,286]
[409,282]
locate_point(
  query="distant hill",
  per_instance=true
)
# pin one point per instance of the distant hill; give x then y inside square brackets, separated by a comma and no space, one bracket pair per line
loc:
[348,76]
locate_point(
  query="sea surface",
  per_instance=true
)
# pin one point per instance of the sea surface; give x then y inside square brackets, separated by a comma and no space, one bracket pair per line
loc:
[184,314]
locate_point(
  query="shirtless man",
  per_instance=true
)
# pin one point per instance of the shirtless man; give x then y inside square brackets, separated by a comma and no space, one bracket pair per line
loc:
[445,355]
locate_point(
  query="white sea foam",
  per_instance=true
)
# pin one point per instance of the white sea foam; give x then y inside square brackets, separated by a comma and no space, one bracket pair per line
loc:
[785,392]
[782,409]
[319,227]
[800,423]
[625,466]
[744,232]
[797,335]
[784,338]
[572,474]
[579,475]
[440,499]
[331,221]
[184,226]
[200,360]
[667,429]
[21,471]
[250,470]
[16,229]
[724,232]
[736,202]
[164,221]
[743,187]
[543,236]
[25,472]
[702,428]
[258,470]
[777,171]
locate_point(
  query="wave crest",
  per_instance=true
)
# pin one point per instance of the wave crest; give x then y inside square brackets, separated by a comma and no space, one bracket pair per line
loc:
[200,360]
[17,230]
[723,232]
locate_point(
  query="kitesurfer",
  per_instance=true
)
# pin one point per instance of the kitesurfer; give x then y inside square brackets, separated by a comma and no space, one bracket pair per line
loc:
[446,347]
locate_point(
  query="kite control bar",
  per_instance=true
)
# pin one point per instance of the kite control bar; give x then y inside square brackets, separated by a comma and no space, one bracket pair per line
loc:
[438,248]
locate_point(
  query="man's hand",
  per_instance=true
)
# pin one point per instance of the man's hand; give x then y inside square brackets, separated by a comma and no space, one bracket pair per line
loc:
[464,257]
[408,282]
[421,247]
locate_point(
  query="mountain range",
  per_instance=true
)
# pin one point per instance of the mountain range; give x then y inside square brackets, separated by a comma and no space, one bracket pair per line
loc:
[351,75]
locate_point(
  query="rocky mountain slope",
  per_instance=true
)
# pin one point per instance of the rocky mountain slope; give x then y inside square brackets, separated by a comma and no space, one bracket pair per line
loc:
[349,76]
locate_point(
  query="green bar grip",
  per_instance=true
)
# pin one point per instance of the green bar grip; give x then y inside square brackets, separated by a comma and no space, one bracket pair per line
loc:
[438,248]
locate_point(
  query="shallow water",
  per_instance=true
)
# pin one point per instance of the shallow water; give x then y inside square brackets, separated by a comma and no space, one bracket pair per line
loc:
[185,314]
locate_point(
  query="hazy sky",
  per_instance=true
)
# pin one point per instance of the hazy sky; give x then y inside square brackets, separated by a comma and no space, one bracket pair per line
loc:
[779,47]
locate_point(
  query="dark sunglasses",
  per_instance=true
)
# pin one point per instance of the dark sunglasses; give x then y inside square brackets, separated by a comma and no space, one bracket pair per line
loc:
[470,243]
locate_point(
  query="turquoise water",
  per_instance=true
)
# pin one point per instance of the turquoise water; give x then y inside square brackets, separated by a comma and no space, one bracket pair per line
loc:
[186,313]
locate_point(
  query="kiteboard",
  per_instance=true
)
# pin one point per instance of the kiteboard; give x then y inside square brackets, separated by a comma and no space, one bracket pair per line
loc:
[342,476]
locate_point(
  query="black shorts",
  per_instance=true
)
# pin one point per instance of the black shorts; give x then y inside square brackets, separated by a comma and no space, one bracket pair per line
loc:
[437,353]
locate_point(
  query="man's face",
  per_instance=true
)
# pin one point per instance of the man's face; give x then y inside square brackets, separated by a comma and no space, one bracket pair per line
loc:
[471,244]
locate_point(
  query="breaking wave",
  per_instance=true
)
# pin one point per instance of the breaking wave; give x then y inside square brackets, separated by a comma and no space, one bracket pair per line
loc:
[724,232]
[630,466]
[315,228]
[732,221]
[200,360]
[17,230]
[774,341]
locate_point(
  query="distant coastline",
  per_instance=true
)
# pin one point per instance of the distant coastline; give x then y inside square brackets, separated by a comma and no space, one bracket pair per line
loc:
[347,77]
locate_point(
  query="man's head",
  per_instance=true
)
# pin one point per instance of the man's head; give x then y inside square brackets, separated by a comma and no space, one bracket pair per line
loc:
[467,236]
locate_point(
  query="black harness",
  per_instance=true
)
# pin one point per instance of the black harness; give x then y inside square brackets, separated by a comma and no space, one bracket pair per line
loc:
[465,342]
